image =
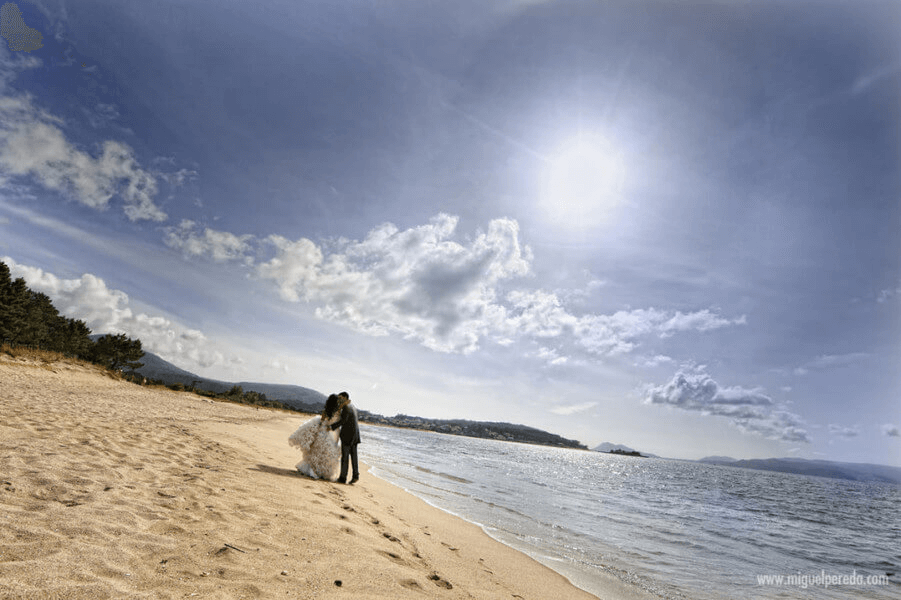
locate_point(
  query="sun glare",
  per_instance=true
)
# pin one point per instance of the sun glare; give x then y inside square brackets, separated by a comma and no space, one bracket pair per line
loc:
[582,183]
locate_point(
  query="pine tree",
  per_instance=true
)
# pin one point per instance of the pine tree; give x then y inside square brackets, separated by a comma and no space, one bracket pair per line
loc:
[14,323]
[42,321]
[75,339]
[6,285]
[117,351]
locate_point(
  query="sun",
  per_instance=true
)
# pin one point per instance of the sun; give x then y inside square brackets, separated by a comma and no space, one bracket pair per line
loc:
[582,183]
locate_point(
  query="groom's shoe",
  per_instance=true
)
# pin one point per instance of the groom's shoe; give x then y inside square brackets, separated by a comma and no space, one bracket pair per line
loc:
[344,481]
[354,480]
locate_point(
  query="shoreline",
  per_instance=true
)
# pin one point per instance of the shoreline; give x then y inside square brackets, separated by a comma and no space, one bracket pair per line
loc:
[611,585]
[604,583]
[110,489]
[461,538]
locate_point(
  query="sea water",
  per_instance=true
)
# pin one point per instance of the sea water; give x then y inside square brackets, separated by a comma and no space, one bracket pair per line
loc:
[677,528]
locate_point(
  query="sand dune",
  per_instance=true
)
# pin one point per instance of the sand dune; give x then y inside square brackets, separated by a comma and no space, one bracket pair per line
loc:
[111,490]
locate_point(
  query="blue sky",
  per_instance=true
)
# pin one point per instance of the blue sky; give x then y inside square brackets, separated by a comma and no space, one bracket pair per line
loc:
[667,224]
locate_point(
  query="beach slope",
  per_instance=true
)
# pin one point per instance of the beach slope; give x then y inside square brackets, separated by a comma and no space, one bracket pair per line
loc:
[111,490]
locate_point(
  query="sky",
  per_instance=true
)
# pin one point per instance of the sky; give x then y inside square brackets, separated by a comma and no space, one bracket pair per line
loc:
[667,224]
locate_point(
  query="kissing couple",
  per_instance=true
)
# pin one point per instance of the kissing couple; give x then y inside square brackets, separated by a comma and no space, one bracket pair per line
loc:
[318,441]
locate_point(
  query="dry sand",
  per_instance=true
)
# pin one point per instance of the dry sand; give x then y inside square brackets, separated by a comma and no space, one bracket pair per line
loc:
[112,490]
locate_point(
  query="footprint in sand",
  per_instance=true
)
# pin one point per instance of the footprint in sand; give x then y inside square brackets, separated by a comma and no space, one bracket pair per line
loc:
[440,581]
[394,557]
[410,584]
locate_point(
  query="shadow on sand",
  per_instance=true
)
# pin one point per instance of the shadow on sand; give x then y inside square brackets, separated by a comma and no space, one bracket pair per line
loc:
[279,471]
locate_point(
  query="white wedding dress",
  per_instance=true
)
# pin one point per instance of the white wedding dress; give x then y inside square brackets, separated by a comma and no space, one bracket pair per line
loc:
[319,445]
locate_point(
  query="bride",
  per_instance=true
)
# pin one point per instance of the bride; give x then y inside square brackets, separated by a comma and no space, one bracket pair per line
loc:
[319,444]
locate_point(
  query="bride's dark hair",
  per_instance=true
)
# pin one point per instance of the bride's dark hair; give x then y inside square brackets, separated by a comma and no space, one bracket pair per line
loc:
[331,406]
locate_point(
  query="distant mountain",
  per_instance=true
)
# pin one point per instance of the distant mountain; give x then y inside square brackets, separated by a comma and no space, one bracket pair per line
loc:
[821,468]
[157,368]
[718,460]
[311,401]
[295,396]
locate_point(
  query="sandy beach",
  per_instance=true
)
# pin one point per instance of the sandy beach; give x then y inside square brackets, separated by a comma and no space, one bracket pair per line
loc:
[113,490]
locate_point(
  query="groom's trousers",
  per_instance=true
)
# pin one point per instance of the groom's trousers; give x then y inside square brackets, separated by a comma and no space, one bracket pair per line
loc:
[349,451]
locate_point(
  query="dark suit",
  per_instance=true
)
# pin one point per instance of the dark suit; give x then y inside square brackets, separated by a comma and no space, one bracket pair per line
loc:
[350,437]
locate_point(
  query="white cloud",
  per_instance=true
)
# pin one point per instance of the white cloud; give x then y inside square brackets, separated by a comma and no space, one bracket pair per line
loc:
[844,432]
[891,430]
[103,115]
[107,311]
[159,160]
[421,284]
[294,265]
[573,408]
[178,178]
[654,361]
[828,361]
[417,283]
[424,285]
[748,409]
[33,144]
[277,365]
[887,294]
[541,314]
[551,356]
[702,320]
[11,64]
[867,81]
[581,294]
[218,245]
[618,333]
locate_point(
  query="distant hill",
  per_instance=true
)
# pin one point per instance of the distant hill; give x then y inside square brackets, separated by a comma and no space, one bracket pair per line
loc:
[819,468]
[311,401]
[607,447]
[509,432]
[157,368]
[295,396]
[718,460]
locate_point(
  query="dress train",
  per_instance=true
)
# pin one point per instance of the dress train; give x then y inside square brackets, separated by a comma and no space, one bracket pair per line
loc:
[319,446]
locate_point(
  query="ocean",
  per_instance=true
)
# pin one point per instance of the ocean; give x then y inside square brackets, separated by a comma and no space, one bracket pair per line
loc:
[679,529]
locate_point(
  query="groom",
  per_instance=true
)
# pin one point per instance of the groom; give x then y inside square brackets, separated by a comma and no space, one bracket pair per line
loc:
[350,437]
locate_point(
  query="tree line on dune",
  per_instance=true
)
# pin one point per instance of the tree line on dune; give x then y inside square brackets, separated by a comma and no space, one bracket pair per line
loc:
[28,319]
